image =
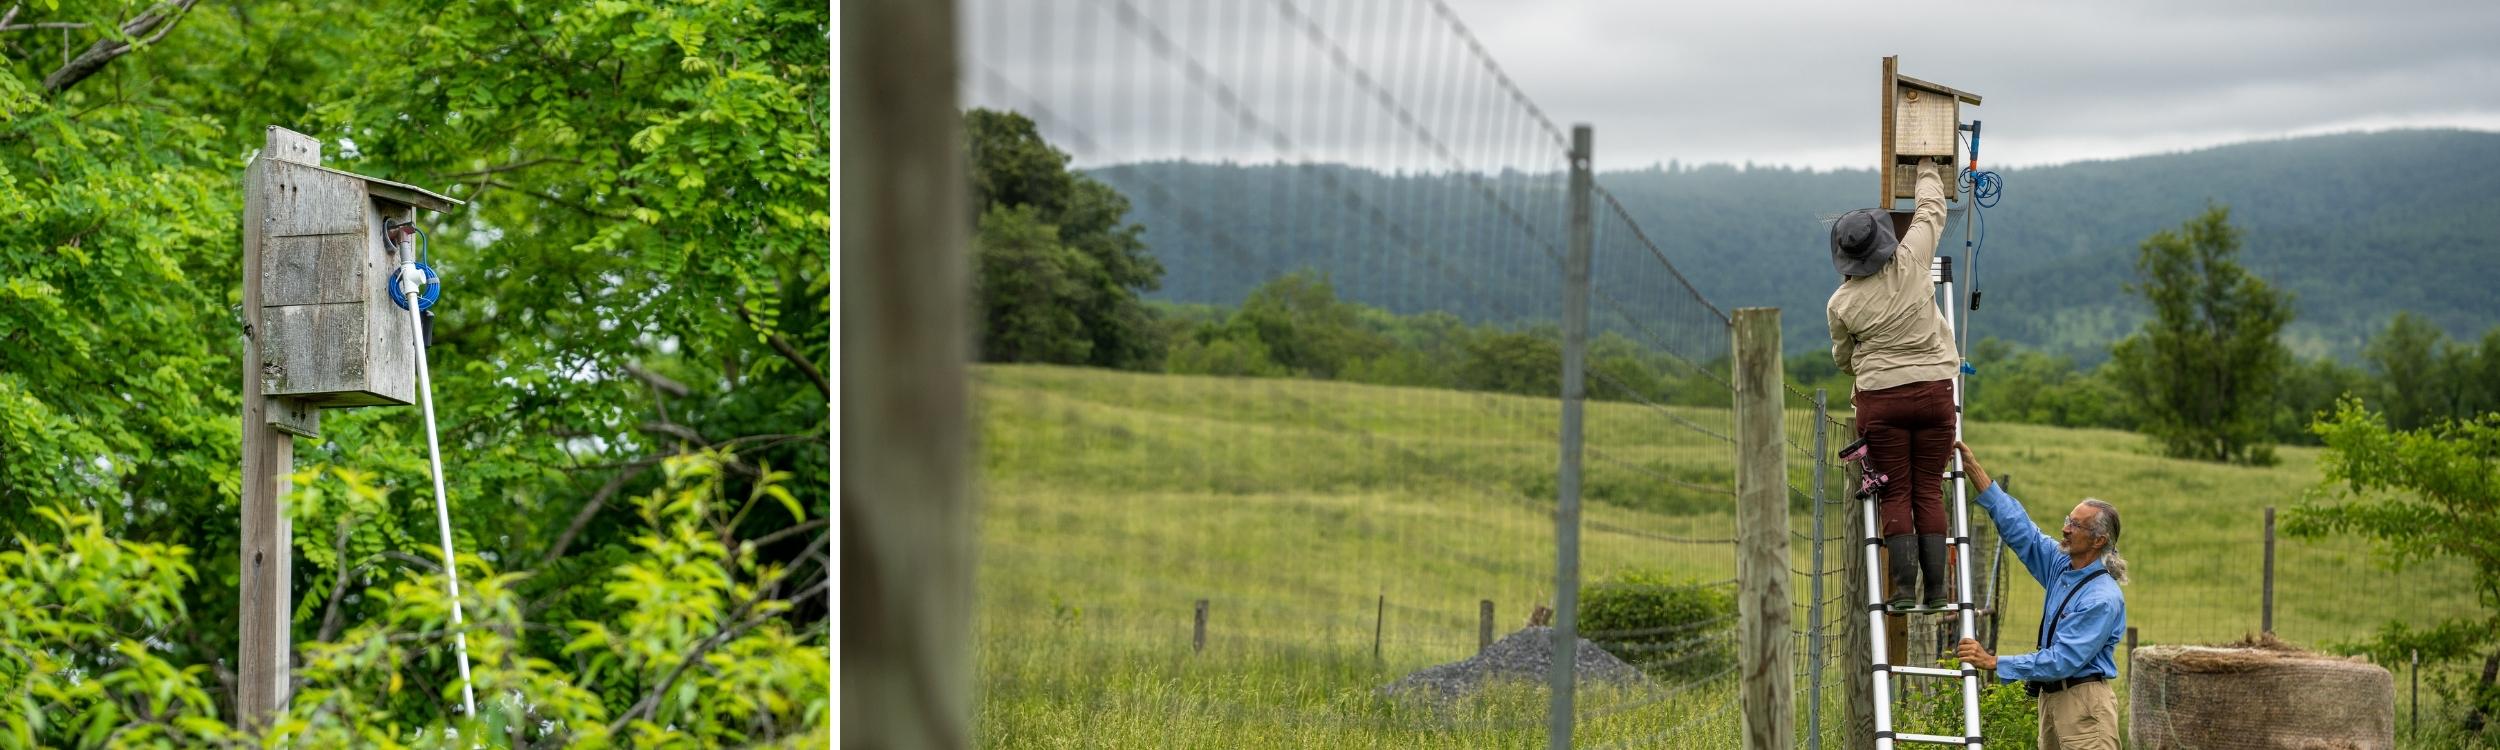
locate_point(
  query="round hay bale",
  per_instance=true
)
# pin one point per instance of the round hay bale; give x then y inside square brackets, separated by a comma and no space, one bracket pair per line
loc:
[2258,693]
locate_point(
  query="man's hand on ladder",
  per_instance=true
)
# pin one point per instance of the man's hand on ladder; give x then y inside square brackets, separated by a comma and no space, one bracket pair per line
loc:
[1970,651]
[1978,476]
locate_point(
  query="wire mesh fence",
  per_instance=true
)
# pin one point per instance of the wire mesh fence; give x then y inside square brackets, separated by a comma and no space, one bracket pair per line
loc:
[1344,468]
[1324,491]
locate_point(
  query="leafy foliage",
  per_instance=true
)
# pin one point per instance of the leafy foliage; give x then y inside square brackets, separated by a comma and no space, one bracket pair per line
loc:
[1671,628]
[2420,494]
[638,275]
[2202,372]
[1057,271]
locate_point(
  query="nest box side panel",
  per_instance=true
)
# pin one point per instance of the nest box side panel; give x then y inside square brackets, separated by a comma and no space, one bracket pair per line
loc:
[390,341]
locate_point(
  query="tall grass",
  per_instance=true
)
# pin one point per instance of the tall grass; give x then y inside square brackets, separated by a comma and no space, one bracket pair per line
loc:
[1310,514]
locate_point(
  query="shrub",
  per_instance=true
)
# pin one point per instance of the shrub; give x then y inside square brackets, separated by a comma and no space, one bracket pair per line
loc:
[1669,628]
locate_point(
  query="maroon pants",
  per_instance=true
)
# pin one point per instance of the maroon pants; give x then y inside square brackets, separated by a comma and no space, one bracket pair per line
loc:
[1909,438]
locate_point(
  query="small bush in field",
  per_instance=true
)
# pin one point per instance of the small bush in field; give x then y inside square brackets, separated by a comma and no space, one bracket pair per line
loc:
[1668,627]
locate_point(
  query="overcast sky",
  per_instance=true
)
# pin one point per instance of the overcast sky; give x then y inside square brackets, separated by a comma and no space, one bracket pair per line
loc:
[1787,82]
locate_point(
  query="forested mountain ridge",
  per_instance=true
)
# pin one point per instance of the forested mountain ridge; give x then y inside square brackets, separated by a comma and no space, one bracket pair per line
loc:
[2357,226]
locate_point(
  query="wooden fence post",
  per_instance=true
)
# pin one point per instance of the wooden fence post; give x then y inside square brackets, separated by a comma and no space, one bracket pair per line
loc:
[1198,631]
[907,512]
[1768,697]
[1484,624]
[2268,624]
[1379,616]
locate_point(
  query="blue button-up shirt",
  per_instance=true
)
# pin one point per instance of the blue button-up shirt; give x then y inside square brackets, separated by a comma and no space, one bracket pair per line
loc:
[2093,624]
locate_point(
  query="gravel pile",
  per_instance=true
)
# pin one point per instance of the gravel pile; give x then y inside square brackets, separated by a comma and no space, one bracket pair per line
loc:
[1521,656]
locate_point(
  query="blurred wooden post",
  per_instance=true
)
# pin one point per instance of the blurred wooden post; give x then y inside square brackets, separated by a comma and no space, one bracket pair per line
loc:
[1484,624]
[1857,651]
[1379,615]
[2128,669]
[1767,697]
[907,512]
[2268,625]
[1198,631]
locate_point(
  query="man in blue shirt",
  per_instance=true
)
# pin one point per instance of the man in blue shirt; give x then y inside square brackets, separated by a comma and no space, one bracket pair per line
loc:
[2082,619]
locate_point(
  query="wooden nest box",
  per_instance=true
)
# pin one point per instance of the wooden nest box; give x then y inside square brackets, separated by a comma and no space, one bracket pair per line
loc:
[317,277]
[1921,122]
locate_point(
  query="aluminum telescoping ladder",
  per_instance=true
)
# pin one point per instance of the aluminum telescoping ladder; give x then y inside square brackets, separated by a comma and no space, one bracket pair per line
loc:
[1961,606]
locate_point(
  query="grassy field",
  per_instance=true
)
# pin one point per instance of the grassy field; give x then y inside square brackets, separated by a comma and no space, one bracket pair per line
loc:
[1313,515]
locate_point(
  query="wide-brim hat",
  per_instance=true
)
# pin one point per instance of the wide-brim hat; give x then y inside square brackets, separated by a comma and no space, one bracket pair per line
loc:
[1862,242]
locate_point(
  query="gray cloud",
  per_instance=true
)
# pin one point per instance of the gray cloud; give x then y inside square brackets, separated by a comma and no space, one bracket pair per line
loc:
[1781,82]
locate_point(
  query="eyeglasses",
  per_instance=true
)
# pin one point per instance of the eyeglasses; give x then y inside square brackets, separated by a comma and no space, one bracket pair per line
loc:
[2071,523]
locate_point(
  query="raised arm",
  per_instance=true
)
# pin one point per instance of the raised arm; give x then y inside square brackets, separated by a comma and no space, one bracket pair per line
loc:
[2038,551]
[1918,245]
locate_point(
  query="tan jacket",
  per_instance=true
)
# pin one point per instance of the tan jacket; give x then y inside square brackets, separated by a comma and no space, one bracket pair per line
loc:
[1886,329]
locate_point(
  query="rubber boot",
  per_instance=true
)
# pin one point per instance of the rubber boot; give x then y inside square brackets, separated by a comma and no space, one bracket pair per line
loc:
[1931,567]
[1904,550]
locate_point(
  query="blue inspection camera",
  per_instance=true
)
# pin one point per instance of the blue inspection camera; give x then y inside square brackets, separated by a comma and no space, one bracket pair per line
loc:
[433,289]
[397,233]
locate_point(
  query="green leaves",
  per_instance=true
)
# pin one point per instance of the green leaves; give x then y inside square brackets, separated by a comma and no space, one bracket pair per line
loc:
[2419,494]
[647,192]
[2201,372]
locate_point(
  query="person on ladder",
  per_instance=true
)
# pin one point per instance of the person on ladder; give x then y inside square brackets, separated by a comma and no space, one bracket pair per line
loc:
[2084,617]
[1888,332]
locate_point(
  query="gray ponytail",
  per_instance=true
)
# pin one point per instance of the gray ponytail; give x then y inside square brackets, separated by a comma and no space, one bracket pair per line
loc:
[2105,526]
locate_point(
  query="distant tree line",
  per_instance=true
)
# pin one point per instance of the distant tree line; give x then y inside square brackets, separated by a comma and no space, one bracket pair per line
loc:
[2209,375]
[1060,277]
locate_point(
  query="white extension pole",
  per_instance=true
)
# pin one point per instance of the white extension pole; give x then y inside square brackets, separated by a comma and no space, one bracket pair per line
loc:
[411,281]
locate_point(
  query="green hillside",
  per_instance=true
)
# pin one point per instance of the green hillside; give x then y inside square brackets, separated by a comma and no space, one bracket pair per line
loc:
[2357,226]
[1310,513]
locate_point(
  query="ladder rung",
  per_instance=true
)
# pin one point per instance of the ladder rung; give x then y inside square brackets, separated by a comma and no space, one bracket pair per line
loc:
[1928,671]
[1933,739]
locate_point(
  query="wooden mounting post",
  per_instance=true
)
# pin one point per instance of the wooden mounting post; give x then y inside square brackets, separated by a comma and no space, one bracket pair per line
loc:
[263,668]
[1762,606]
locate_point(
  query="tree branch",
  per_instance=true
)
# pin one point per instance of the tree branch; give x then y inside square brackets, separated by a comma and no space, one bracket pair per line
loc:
[788,532]
[651,700]
[520,165]
[678,431]
[662,382]
[421,563]
[330,621]
[160,19]
[787,351]
[590,510]
[551,198]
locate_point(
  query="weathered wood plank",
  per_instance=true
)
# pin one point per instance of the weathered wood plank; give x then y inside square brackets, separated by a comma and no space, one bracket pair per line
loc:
[265,611]
[287,145]
[1767,663]
[295,416]
[309,351]
[314,269]
[1925,124]
[391,355]
[298,199]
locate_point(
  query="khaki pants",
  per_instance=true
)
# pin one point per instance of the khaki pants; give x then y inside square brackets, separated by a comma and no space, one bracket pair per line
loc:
[2083,717]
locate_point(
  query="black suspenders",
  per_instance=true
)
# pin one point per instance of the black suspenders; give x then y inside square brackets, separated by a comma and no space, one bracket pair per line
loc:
[2048,628]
